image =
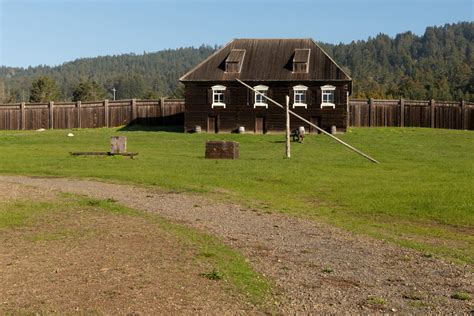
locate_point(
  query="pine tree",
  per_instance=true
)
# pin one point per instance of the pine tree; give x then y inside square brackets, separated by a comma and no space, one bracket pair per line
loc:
[88,91]
[43,89]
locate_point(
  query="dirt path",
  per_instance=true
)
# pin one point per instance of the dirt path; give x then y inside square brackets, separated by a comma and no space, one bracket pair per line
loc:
[78,259]
[317,268]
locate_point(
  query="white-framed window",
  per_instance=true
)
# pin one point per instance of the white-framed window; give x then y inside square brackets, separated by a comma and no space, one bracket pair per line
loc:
[327,95]
[218,96]
[299,96]
[260,100]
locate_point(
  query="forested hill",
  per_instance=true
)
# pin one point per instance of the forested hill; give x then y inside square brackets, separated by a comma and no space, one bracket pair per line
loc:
[438,65]
[150,75]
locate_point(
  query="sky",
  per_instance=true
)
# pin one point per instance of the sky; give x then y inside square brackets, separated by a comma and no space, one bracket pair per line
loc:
[51,32]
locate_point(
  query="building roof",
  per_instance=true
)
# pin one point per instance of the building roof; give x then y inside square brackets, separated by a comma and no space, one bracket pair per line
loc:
[268,60]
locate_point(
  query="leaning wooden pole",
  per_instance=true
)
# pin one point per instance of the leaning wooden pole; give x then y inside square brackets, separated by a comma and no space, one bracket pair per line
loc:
[315,126]
[288,149]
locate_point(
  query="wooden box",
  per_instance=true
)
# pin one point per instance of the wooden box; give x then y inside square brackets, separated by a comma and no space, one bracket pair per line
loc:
[222,149]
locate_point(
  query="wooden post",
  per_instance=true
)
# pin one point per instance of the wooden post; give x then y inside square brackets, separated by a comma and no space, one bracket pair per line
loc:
[402,112]
[371,112]
[348,120]
[106,113]
[463,115]
[78,113]
[288,149]
[432,106]
[134,109]
[162,111]
[22,116]
[162,107]
[51,114]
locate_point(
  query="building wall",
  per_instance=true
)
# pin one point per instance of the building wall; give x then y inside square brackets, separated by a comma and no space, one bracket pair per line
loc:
[240,111]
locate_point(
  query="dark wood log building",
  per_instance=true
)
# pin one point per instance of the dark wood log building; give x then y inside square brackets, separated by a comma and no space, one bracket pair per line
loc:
[318,88]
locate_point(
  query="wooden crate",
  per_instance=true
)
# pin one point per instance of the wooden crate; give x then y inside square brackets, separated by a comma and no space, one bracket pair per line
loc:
[222,150]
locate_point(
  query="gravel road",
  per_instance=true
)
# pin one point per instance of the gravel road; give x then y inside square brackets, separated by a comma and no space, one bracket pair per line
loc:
[316,268]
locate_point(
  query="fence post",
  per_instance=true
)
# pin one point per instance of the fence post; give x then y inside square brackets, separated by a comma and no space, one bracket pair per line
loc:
[51,114]
[371,112]
[402,112]
[106,113]
[348,120]
[78,113]
[162,107]
[134,109]
[463,115]
[22,116]
[162,111]
[432,106]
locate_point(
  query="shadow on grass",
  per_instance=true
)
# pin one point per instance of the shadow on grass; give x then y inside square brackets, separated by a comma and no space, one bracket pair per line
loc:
[152,128]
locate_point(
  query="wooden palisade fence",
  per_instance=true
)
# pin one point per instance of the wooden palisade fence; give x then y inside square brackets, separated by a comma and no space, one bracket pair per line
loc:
[435,114]
[365,113]
[63,115]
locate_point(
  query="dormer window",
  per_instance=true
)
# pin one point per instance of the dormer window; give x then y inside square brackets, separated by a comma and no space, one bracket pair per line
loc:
[233,62]
[301,60]
[327,94]
[218,96]
[260,100]
[299,96]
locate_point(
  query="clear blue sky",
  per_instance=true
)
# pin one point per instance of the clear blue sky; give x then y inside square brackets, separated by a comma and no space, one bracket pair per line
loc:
[55,31]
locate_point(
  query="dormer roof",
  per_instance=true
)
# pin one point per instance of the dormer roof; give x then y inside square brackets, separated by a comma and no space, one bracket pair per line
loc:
[233,62]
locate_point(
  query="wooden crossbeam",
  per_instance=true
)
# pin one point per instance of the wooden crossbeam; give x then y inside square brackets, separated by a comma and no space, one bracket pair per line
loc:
[101,153]
[312,124]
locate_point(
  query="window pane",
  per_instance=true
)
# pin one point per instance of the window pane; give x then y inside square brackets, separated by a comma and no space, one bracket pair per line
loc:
[300,96]
[260,97]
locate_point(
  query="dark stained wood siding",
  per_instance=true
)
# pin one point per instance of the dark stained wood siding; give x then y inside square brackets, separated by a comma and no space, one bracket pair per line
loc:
[240,111]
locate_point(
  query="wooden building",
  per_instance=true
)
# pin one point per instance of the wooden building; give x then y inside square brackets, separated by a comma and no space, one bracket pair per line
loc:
[318,88]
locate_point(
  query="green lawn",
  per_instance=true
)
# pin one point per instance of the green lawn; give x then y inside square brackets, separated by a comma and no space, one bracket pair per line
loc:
[421,195]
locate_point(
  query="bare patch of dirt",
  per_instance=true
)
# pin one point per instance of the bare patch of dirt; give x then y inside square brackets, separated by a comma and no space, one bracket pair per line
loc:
[89,261]
[316,267]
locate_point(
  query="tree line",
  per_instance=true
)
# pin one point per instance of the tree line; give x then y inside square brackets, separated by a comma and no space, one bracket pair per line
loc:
[146,76]
[436,65]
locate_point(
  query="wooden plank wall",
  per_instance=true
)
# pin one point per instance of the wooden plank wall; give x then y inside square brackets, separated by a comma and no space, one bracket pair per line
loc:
[412,113]
[66,115]
[240,111]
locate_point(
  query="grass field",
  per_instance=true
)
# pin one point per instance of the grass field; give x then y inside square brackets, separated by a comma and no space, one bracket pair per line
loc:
[420,196]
